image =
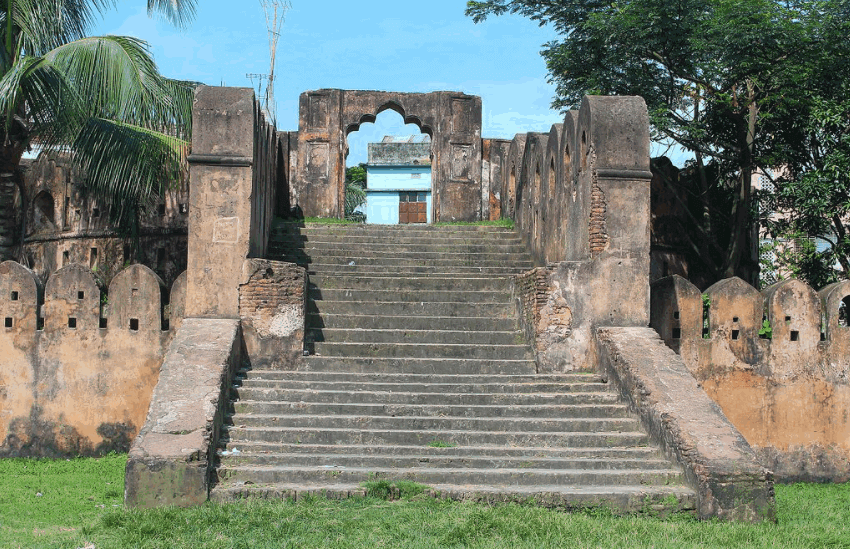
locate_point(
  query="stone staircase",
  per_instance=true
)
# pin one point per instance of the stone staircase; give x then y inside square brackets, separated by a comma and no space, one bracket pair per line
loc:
[417,371]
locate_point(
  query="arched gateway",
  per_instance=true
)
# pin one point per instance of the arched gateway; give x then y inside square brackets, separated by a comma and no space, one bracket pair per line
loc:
[326,117]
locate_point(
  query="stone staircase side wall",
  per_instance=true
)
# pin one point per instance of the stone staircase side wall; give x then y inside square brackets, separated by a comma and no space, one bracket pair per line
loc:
[730,482]
[171,460]
[233,174]
[582,206]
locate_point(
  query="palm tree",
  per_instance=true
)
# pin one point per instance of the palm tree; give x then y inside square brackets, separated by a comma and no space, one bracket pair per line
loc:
[100,98]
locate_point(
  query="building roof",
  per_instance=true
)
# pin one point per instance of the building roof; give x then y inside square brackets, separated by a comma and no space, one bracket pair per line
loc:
[400,151]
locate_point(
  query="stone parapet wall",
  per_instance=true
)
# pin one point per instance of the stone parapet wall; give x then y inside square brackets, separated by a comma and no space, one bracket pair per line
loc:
[79,363]
[786,389]
[172,459]
[731,484]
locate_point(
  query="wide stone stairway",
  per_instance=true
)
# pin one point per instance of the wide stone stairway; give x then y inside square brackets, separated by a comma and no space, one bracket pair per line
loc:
[417,371]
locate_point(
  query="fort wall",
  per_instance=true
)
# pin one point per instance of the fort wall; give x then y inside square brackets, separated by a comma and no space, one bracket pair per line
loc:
[775,361]
[79,362]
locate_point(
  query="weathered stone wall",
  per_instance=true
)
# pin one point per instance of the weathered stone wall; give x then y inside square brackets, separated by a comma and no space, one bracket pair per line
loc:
[580,199]
[790,394]
[494,163]
[272,303]
[327,116]
[65,225]
[718,462]
[233,173]
[172,459]
[77,380]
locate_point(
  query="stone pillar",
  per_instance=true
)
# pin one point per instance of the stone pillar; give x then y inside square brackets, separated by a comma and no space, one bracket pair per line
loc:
[221,178]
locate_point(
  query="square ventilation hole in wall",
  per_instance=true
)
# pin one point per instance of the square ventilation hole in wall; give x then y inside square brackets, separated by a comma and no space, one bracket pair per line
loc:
[81,295]
[676,315]
[795,335]
[734,319]
[134,324]
[736,334]
[677,333]
[14,296]
[8,322]
[72,322]
[95,213]
[184,208]
[160,209]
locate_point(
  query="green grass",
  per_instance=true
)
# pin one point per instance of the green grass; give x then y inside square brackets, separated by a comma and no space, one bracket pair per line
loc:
[441,444]
[77,508]
[508,223]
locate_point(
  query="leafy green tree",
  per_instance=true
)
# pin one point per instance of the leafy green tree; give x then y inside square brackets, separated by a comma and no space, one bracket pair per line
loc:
[355,192]
[722,78]
[102,98]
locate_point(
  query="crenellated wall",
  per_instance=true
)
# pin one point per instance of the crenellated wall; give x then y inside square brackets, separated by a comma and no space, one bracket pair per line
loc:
[786,389]
[579,196]
[79,363]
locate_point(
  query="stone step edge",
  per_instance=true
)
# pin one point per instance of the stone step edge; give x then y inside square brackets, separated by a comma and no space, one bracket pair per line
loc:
[440,451]
[624,499]
[532,378]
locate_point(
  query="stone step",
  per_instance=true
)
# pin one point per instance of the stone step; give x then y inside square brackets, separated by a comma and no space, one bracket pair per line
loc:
[446,264]
[335,461]
[423,350]
[333,246]
[455,476]
[266,408]
[410,322]
[408,423]
[235,436]
[468,337]
[308,393]
[416,296]
[256,375]
[406,308]
[504,270]
[623,498]
[418,365]
[387,281]
[438,449]
[339,229]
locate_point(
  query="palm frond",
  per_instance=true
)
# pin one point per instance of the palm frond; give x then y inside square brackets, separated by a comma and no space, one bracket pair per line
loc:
[117,79]
[127,166]
[35,88]
[179,12]
[42,25]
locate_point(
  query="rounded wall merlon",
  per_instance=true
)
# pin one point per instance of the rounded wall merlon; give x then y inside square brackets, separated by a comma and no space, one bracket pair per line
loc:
[73,300]
[20,296]
[793,312]
[135,300]
[835,300]
[735,309]
[617,130]
[676,309]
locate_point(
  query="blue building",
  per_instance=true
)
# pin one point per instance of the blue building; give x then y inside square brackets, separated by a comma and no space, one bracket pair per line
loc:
[398,181]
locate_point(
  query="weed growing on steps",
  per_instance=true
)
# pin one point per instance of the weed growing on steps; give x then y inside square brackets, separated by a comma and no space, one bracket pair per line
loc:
[441,444]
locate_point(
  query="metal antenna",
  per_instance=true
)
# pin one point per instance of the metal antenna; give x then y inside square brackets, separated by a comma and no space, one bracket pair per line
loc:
[275,11]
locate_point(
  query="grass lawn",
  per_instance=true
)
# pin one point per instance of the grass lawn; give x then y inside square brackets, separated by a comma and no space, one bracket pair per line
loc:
[80,506]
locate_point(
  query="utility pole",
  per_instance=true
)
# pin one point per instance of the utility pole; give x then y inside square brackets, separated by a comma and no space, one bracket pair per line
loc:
[275,11]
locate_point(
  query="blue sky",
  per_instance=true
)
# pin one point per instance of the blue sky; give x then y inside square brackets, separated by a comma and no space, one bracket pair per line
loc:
[368,44]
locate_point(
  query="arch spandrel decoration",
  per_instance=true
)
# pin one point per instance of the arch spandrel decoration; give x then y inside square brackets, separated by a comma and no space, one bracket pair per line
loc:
[452,119]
